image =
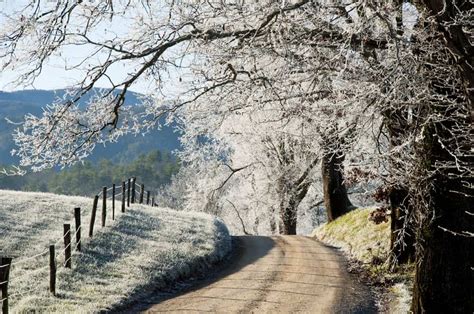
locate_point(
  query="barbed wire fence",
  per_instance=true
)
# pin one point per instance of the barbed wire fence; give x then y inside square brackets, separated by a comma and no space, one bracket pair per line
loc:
[129,191]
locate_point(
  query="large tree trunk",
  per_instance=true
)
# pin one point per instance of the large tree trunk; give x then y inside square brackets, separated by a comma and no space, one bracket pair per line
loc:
[336,201]
[288,218]
[292,193]
[444,280]
[289,208]
[272,221]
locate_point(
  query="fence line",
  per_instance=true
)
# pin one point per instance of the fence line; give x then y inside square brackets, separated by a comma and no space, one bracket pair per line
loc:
[61,239]
[130,185]
[29,273]
[138,186]
[63,251]
[76,246]
[66,261]
[29,258]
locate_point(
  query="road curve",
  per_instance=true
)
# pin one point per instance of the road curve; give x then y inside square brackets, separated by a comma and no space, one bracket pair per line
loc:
[282,274]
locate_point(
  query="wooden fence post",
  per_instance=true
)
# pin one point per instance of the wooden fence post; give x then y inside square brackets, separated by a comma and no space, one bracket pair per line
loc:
[94,210]
[123,196]
[5,263]
[113,201]
[129,191]
[67,245]
[77,218]
[104,205]
[142,192]
[52,270]
[133,189]
[148,197]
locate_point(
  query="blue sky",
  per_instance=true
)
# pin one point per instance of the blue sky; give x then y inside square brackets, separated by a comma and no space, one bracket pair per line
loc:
[54,74]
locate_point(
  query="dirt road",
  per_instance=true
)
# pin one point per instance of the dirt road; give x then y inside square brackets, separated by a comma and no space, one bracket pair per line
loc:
[284,274]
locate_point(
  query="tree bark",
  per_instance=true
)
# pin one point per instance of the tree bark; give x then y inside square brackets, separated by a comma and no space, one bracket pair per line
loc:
[288,218]
[457,41]
[444,279]
[272,222]
[289,210]
[292,192]
[336,201]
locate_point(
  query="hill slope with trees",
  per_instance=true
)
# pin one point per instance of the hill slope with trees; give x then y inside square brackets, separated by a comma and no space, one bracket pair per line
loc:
[15,105]
[154,169]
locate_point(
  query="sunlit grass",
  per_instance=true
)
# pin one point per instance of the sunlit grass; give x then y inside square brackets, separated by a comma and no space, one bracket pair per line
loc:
[368,243]
[358,236]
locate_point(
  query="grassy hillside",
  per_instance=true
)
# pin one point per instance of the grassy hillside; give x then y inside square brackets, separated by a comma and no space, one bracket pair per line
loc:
[358,236]
[143,246]
[368,244]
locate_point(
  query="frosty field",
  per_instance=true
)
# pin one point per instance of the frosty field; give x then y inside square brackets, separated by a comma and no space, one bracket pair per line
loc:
[142,246]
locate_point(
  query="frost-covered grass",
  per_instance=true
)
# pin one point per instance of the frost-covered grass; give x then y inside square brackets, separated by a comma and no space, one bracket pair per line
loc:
[143,246]
[401,301]
[368,243]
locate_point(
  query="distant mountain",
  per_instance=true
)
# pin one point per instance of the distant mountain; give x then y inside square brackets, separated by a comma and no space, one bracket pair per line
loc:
[14,105]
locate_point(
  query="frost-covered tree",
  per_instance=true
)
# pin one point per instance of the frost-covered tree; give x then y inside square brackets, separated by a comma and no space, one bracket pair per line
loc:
[278,78]
[267,161]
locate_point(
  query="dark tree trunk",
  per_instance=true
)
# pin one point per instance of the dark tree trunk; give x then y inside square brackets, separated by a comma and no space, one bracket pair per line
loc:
[273,225]
[288,220]
[336,201]
[400,208]
[457,41]
[444,279]
[292,193]
[289,209]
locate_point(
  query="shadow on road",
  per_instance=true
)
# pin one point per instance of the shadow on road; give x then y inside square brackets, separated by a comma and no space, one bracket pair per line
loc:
[237,259]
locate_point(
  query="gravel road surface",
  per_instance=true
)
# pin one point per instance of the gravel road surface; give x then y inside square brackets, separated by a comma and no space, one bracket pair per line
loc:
[282,274]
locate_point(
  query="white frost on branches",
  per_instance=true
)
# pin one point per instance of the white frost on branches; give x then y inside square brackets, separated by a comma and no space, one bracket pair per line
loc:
[262,92]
